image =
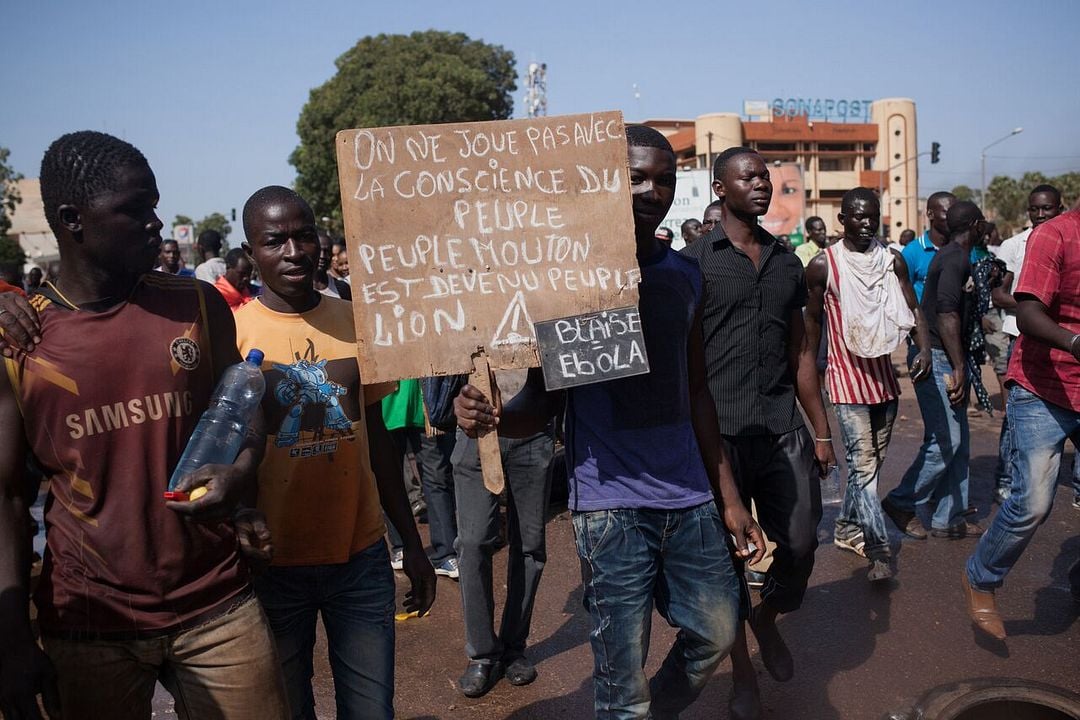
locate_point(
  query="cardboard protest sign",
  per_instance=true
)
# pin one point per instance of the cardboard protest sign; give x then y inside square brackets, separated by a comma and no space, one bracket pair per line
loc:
[462,236]
[592,347]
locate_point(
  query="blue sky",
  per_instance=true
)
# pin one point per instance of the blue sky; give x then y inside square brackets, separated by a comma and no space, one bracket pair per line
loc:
[211,91]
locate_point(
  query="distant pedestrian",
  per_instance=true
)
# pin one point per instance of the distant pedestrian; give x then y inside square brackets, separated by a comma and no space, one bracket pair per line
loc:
[939,475]
[211,266]
[691,230]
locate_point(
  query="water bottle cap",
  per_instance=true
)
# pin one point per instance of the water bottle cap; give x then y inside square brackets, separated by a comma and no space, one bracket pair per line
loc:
[255,357]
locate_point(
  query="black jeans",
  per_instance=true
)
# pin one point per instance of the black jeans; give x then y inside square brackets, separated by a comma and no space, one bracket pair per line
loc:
[778,473]
[528,484]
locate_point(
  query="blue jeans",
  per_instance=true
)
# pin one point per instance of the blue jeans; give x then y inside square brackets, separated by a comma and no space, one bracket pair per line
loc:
[1038,429]
[356,600]
[866,431]
[939,474]
[677,559]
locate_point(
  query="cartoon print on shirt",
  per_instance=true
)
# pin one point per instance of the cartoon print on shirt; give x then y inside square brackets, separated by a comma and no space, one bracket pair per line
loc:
[305,385]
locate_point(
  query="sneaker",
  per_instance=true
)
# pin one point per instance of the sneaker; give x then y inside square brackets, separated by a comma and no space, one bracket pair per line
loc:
[853,542]
[879,570]
[397,559]
[448,568]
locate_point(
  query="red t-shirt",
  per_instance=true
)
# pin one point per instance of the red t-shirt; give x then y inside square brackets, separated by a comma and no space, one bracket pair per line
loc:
[1051,274]
[8,287]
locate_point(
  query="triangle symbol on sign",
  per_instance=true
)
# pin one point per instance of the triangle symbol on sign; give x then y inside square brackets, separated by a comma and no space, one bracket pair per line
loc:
[515,328]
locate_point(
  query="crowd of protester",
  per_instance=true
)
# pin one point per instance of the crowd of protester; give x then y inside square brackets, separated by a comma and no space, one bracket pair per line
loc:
[751,343]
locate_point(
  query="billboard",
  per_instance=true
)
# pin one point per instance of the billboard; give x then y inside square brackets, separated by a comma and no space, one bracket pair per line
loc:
[693,191]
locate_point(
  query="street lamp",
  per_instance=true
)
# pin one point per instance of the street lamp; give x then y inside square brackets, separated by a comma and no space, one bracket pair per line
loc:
[982,197]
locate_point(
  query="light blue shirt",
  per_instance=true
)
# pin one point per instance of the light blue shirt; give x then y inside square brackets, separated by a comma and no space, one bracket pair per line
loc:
[917,254]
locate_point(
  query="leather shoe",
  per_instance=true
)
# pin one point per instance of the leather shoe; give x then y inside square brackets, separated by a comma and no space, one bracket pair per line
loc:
[775,655]
[479,677]
[906,522]
[744,704]
[982,608]
[520,670]
[962,529]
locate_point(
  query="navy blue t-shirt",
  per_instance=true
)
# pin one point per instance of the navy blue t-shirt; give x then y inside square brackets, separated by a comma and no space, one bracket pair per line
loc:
[630,442]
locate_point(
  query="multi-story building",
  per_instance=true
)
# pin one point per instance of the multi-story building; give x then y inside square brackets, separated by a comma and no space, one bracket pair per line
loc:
[817,158]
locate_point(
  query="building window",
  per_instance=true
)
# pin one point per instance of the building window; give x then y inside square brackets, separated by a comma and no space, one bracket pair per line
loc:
[836,164]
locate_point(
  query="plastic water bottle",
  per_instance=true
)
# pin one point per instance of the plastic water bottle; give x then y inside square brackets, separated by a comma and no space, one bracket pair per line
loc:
[224,425]
[832,488]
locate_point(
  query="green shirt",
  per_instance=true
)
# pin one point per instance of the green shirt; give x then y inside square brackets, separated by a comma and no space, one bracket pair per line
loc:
[404,408]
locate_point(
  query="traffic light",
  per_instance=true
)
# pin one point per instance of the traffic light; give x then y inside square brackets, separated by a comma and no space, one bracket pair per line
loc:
[935,152]
[234,209]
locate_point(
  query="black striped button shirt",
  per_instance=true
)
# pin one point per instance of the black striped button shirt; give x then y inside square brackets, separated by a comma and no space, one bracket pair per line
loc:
[745,315]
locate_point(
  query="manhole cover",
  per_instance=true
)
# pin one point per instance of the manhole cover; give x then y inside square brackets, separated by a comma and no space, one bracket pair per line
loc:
[994,699]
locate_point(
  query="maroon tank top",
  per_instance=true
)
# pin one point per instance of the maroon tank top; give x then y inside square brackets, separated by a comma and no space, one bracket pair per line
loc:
[109,400]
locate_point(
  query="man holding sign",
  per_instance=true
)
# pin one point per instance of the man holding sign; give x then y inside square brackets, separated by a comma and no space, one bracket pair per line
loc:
[647,470]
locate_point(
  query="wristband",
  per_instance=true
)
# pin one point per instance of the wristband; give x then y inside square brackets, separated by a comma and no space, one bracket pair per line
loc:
[1072,343]
[828,439]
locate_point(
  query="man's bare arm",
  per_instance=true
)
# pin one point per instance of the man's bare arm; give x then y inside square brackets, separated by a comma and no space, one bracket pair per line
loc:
[922,364]
[737,518]
[527,414]
[386,464]
[1035,322]
[802,359]
[25,672]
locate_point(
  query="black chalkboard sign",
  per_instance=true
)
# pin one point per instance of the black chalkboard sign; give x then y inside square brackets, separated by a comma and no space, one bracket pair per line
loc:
[591,348]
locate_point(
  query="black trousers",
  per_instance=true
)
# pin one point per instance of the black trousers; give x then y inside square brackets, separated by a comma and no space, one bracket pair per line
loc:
[779,474]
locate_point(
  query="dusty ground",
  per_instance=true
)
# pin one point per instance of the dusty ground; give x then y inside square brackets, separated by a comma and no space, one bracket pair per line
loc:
[860,651]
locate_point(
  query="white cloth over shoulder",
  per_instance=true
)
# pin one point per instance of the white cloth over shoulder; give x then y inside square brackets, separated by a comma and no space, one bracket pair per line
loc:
[876,315]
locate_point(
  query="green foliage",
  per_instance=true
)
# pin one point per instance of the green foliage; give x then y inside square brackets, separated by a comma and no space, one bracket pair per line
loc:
[9,191]
[183,220]
[425,77]
[1007,198]
[213,221]
[11,253]
[963,192]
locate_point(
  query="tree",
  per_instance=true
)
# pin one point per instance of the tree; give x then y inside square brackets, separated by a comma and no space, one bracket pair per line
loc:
[11,253]
[1007,198]
[183,220]
[963,192]
[1069,185]
[425,77]
[213,221]
[9,191]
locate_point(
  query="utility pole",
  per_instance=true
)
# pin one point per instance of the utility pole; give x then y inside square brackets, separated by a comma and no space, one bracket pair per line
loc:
[982,196]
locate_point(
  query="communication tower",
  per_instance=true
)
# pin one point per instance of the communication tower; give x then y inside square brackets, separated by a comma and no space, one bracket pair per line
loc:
[536,90]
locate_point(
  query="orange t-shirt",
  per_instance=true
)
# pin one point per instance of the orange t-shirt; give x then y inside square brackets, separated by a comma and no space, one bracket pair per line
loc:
[315,483]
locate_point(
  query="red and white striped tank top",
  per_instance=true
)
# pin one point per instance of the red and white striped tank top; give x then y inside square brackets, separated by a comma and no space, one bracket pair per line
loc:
[852,380]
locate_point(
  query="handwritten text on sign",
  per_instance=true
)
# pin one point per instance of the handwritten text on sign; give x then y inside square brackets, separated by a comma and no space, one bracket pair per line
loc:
[592,348]
[461,236]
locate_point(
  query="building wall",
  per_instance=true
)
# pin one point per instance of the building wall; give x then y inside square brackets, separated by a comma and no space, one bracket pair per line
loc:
[835,156]
[28,224]
[898,149]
